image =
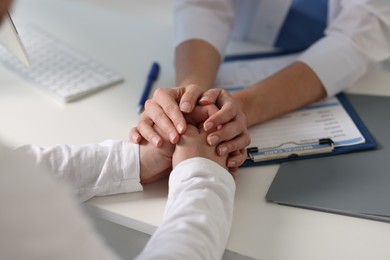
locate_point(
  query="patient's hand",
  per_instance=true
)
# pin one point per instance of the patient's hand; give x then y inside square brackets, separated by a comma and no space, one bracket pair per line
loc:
[155,163]
[193,144]
[4,6]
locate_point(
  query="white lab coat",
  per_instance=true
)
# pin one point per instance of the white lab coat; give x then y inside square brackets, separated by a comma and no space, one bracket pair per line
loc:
[40,220]
[357,35]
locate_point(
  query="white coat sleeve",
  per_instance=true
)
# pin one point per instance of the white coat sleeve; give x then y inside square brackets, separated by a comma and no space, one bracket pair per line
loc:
[106,168]
[357,37]
[40,219]
[198,214]
[208,20]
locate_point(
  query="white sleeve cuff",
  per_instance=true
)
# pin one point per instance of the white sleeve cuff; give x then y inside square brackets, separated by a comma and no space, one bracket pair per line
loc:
[200,166]
[121,172]
[337,63]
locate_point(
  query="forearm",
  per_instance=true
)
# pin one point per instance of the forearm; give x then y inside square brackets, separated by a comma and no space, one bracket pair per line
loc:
[198,215]
[196,62]
[93,169]
[287,90]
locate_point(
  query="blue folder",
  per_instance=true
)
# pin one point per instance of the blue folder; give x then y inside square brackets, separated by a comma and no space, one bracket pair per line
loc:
[369,143]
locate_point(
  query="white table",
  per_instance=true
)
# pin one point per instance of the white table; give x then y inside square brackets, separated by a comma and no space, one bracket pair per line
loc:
[129,40]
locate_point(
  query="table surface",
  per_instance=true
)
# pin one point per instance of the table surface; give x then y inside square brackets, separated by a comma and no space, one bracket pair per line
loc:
[128,36]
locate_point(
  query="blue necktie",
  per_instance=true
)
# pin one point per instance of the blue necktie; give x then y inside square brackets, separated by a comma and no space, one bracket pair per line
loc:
[305,23]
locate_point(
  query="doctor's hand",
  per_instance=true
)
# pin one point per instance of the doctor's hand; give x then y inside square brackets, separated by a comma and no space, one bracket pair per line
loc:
[232,135]
[156,162]
[165,110]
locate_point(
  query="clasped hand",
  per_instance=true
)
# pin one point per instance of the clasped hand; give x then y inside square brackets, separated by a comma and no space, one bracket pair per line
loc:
[214,113]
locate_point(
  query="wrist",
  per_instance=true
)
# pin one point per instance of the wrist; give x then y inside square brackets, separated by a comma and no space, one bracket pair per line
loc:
[247,99]
[201,85]
[154,163]
[196,62]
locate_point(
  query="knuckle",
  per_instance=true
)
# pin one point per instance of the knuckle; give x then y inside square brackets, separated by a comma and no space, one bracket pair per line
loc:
[240,128]
[194,91]
[230,146]
[158,92]
[190,86]
[171,108]
[149,103]
[159,115]
[241,158]
[133,130]
[230,111]
[144,117]
[140,125]
[241,117]
[215,91]
[247,139]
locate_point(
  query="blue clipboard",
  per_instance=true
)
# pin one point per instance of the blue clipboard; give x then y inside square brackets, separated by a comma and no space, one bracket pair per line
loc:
[369,144]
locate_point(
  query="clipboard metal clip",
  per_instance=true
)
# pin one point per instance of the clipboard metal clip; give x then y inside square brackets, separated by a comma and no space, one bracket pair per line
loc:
[291,149]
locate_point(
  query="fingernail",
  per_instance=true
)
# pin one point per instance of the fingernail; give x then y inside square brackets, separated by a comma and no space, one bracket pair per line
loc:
[208,126]
[223,150]
[212,140]
[203,99]
[155,140]
[185,107]
[172,137]
[180,128]
[231,164]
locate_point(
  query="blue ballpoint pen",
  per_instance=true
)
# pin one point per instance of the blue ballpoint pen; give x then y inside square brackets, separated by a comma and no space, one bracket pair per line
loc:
[152,77]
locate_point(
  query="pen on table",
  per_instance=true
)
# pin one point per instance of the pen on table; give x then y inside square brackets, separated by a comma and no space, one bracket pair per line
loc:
[152,77]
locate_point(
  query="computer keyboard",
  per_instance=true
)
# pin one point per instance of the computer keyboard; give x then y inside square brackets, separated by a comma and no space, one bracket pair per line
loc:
[56,68]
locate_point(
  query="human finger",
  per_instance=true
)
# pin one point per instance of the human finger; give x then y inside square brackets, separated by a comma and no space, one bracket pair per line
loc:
[239,142]
[134,136]
[228,111]
[168,100]
[201,113]
[145,126]
[226,132]
[236,159]
[154,114]
[210,96]
[189,97]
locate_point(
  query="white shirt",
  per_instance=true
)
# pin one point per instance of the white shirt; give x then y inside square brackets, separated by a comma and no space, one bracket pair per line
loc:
[357,35]
[40,220]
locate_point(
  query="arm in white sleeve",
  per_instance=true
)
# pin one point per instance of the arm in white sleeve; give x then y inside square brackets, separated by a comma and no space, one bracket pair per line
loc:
[198,214]
[208,20]
[357,37]
[40,219]
[106,168]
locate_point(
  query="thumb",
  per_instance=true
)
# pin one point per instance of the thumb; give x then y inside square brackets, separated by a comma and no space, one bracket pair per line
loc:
[189,98]
[210,96]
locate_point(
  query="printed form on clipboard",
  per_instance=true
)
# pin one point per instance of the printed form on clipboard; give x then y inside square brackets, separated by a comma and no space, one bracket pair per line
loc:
[318,128]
